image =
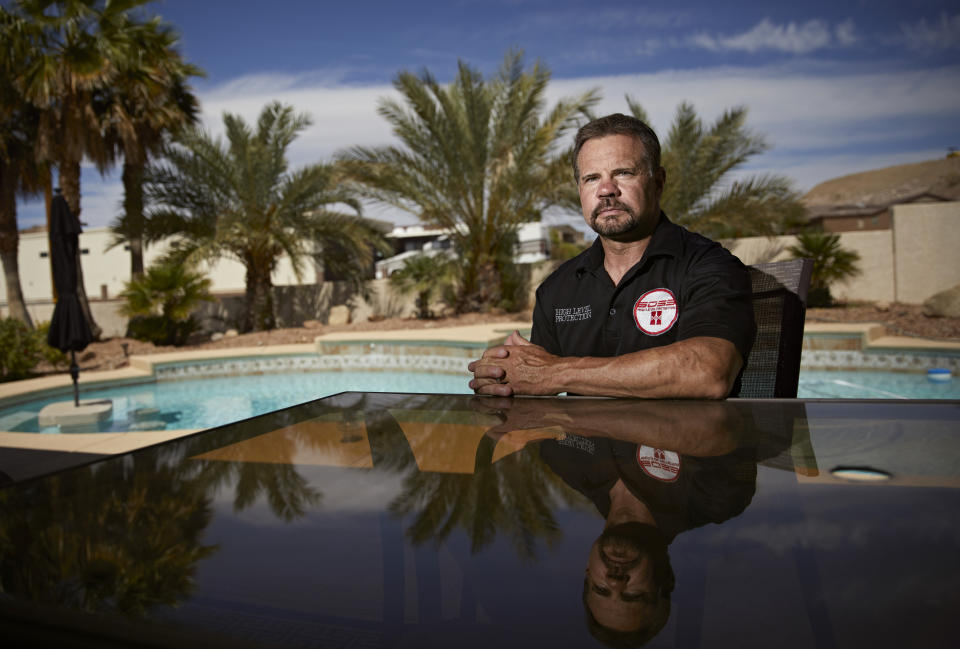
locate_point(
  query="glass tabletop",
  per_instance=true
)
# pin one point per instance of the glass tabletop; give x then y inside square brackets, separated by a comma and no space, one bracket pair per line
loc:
[401,520]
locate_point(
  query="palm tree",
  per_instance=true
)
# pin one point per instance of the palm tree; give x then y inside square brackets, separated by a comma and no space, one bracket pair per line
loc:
[698,162]
[148,100]
[831,263]
[19,171]
[477,159]
[423,274]
[239,200]
[73,50]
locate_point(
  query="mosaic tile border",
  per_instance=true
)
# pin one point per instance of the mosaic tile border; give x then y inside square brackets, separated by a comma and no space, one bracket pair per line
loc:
[841,359]
[279,364]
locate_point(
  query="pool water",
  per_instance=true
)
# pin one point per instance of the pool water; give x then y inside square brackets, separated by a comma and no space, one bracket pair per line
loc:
[209,402]
[874,385]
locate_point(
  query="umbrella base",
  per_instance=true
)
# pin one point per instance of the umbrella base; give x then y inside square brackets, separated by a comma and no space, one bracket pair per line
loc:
[67,415]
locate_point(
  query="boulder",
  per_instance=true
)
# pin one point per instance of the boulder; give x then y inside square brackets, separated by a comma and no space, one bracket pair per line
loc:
[339,315]
[231,333]
[945,304]
[312,324]
[215,336]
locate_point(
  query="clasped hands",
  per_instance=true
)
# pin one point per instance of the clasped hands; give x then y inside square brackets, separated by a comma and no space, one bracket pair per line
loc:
[515,367]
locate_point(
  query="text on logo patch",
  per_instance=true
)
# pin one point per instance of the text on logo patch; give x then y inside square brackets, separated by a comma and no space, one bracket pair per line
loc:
[572,313]
[655,312]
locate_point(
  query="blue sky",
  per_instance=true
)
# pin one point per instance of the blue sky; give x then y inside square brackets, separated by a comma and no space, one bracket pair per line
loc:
[836,87]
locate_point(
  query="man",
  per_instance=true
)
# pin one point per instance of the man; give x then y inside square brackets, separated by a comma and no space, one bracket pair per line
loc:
[650,310]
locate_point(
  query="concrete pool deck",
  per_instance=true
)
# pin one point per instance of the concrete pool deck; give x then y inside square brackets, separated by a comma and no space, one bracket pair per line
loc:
[28,453]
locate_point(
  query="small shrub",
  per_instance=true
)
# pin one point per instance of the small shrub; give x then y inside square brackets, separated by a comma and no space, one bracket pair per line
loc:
[52,355]
[831,263]
[159,304]
[20,349]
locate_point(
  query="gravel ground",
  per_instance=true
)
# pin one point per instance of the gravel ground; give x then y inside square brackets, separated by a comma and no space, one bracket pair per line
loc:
[900,319]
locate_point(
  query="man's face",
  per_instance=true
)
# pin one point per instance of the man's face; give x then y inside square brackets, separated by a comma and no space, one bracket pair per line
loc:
[621,592]
[619,196]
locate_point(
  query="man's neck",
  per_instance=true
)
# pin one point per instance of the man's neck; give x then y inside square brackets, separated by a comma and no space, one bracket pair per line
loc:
[621,256]
[627,508]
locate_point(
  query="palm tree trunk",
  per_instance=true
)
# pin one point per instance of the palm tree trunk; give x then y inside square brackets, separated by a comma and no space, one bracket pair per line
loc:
[70,184]
[133,209]
[9,245]
[258,300]
[481,286]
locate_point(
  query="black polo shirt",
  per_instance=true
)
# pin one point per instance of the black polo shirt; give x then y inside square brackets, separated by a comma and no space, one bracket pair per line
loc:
[681,491]
[684,286]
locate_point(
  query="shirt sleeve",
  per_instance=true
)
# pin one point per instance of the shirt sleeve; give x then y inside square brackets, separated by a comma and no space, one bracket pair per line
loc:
[717,300]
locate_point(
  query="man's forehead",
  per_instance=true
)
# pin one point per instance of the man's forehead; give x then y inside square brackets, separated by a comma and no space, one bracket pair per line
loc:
[618,148]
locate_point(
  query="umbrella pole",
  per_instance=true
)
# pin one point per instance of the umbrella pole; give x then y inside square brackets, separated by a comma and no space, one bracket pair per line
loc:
[75,375]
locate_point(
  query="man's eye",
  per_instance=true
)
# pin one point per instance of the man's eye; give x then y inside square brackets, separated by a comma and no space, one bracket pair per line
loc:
[600,590]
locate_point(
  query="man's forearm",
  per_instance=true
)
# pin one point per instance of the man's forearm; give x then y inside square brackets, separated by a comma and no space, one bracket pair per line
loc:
[704,368]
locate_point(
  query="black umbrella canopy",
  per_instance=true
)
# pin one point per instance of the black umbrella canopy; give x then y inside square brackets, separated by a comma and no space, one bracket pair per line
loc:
[69,329]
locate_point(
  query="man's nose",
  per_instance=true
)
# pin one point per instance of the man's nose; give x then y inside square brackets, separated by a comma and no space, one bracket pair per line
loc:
[608,188]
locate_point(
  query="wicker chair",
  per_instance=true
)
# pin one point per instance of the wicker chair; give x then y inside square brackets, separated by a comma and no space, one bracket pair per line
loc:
[779,308]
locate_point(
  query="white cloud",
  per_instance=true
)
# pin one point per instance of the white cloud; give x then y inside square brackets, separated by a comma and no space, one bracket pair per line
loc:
[823,122]
[937,36]
[792,37]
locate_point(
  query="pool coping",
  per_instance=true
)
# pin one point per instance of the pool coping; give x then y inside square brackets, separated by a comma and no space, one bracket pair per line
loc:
[864,337]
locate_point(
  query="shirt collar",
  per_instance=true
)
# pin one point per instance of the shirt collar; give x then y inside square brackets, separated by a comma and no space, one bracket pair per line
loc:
[666,241]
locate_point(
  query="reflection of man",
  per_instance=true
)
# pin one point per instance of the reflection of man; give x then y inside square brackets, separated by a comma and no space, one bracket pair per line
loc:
[650,310]
[647,496]
[680,467]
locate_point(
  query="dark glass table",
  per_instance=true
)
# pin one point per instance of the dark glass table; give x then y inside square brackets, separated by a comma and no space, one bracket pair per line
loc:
[398,520]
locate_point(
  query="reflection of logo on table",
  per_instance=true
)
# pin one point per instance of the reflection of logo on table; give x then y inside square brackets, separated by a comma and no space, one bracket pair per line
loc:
[659,464]
[656,311]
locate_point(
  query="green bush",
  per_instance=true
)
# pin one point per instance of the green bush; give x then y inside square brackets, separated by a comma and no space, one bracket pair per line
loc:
[52,355]
[20,349]
[160,302]
[831,263]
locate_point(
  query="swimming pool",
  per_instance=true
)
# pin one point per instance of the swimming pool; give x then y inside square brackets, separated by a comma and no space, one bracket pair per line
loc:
[214,401]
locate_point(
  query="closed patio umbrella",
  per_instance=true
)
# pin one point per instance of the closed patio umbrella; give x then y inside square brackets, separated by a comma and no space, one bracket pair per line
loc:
[69,329]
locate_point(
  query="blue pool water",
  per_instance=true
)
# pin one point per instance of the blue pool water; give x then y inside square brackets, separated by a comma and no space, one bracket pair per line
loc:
[208,402]
[874,385]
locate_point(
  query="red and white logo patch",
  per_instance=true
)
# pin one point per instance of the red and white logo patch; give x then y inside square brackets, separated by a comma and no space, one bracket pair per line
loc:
[659,464]
[656,311]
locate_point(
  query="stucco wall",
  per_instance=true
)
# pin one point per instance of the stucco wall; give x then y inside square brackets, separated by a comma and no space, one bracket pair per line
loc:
[927,245]
[875,248]
[920,256]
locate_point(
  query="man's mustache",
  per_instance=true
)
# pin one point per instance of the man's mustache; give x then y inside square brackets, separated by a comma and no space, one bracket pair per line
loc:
[607,204]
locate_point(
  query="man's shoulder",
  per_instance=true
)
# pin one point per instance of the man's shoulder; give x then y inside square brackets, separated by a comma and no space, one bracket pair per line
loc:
[698,248]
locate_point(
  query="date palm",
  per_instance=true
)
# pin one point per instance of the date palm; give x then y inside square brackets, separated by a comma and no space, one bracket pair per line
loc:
[237,199]
[477,158]
[698,161]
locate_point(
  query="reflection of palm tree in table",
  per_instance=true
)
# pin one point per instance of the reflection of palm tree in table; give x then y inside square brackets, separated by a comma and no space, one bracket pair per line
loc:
[115,536]
[515,496]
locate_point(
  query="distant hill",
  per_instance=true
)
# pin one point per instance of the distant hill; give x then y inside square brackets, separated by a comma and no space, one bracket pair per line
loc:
[889,185]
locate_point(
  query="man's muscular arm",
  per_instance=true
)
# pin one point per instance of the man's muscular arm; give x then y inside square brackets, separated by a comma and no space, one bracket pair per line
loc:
[696,368]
